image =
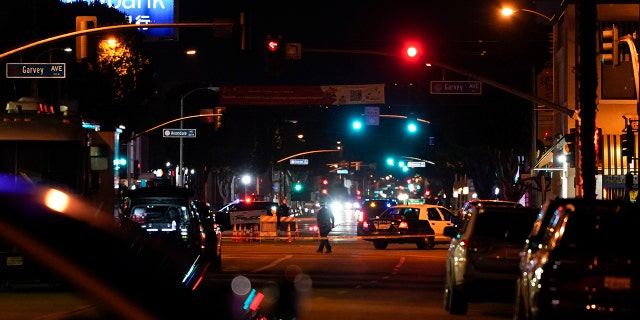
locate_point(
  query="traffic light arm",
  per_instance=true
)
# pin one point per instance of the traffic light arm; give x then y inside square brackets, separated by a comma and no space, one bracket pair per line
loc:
[573,114]
[172,121]
[111,28]
[634,60]
[307,152]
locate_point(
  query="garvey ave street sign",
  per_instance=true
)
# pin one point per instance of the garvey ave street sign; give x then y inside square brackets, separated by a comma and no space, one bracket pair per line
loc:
[36,70]
[178,133]
[456,87]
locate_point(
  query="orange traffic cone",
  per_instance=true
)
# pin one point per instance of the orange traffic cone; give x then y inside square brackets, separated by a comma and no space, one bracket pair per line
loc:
[234,234]
[288,232]
[297,234]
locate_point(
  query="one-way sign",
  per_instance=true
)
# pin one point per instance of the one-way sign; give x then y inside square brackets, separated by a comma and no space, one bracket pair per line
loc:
[178,133]
[36,70]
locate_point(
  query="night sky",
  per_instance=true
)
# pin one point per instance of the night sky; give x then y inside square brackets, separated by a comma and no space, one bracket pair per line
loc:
[469,35]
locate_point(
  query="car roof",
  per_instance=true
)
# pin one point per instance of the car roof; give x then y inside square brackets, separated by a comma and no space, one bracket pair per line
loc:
[418,205]
[160,191]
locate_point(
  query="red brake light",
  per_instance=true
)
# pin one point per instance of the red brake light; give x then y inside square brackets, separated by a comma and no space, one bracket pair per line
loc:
[403,225]
[360,215]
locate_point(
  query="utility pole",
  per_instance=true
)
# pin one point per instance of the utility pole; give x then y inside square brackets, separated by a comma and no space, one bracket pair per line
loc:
[588,80]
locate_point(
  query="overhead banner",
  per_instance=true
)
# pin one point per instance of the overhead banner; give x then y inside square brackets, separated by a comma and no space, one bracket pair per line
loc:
[302,95]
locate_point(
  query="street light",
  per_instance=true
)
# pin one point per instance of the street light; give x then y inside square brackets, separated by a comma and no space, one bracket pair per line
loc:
[246,179]
[50,52]
[179,177]
[509,11]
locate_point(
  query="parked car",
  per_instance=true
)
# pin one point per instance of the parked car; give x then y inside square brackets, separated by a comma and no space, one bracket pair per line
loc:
[483,256]
[369,209]
[244,212]
[470,205]
[580,262]
[171,212]
[400,224]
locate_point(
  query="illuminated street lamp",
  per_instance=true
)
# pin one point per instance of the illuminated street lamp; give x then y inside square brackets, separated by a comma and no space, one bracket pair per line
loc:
[50,52]
[509,11]
[246,179]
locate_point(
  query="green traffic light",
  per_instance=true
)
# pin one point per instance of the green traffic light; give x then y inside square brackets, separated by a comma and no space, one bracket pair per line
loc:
[297,187]
[357,125]
[412,128]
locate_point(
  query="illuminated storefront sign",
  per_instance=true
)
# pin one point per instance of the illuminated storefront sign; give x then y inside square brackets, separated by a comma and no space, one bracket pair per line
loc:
[144,12]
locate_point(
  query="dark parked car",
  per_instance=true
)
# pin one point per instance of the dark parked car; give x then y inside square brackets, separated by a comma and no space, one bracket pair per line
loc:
[400,224]
[483,256]
[371,208]
[581,261]
[172,213]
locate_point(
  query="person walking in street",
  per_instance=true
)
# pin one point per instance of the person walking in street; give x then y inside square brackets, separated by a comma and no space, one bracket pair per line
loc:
[325,221]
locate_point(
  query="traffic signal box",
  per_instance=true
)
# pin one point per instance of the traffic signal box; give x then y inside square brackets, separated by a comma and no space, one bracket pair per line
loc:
[297,193]
[628,144]
[273,53]
[570,148]
[609,48]
[325,187]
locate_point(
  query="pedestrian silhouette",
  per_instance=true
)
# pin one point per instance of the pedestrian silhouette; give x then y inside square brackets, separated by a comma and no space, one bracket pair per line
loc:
[325,221]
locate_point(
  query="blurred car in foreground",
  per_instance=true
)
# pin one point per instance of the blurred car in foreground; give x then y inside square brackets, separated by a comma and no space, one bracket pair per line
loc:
[584,264]
[400,224]
[128,273]
[483,256]
[370,208]
[171,213]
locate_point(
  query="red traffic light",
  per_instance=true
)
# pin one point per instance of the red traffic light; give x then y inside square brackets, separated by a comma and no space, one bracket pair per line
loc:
[272,45]
[325,182]
[412,51]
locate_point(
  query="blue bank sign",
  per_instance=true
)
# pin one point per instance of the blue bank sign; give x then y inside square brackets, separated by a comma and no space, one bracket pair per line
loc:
[36,70]
[456,87]
[144,12]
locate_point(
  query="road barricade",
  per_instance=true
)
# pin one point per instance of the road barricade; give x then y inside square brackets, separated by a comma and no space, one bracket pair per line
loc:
[268,227]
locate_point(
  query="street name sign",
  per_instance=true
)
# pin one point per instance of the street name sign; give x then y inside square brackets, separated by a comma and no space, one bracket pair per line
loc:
[299,162]
[36,70]
[372,114]
[416,164]
[178,133]
[456,87]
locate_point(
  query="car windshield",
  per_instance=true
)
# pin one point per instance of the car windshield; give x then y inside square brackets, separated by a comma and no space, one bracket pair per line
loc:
[506,225]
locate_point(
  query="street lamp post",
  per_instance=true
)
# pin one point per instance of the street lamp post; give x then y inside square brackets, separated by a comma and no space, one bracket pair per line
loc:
[179,176]
[34,90]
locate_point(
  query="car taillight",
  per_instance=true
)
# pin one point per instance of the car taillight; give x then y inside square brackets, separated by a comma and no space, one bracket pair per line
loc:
[360,216]
[403,225]
[365,225]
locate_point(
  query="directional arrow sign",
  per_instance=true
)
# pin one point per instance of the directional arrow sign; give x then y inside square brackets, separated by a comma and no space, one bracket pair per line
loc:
[178,133]
[36,70]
